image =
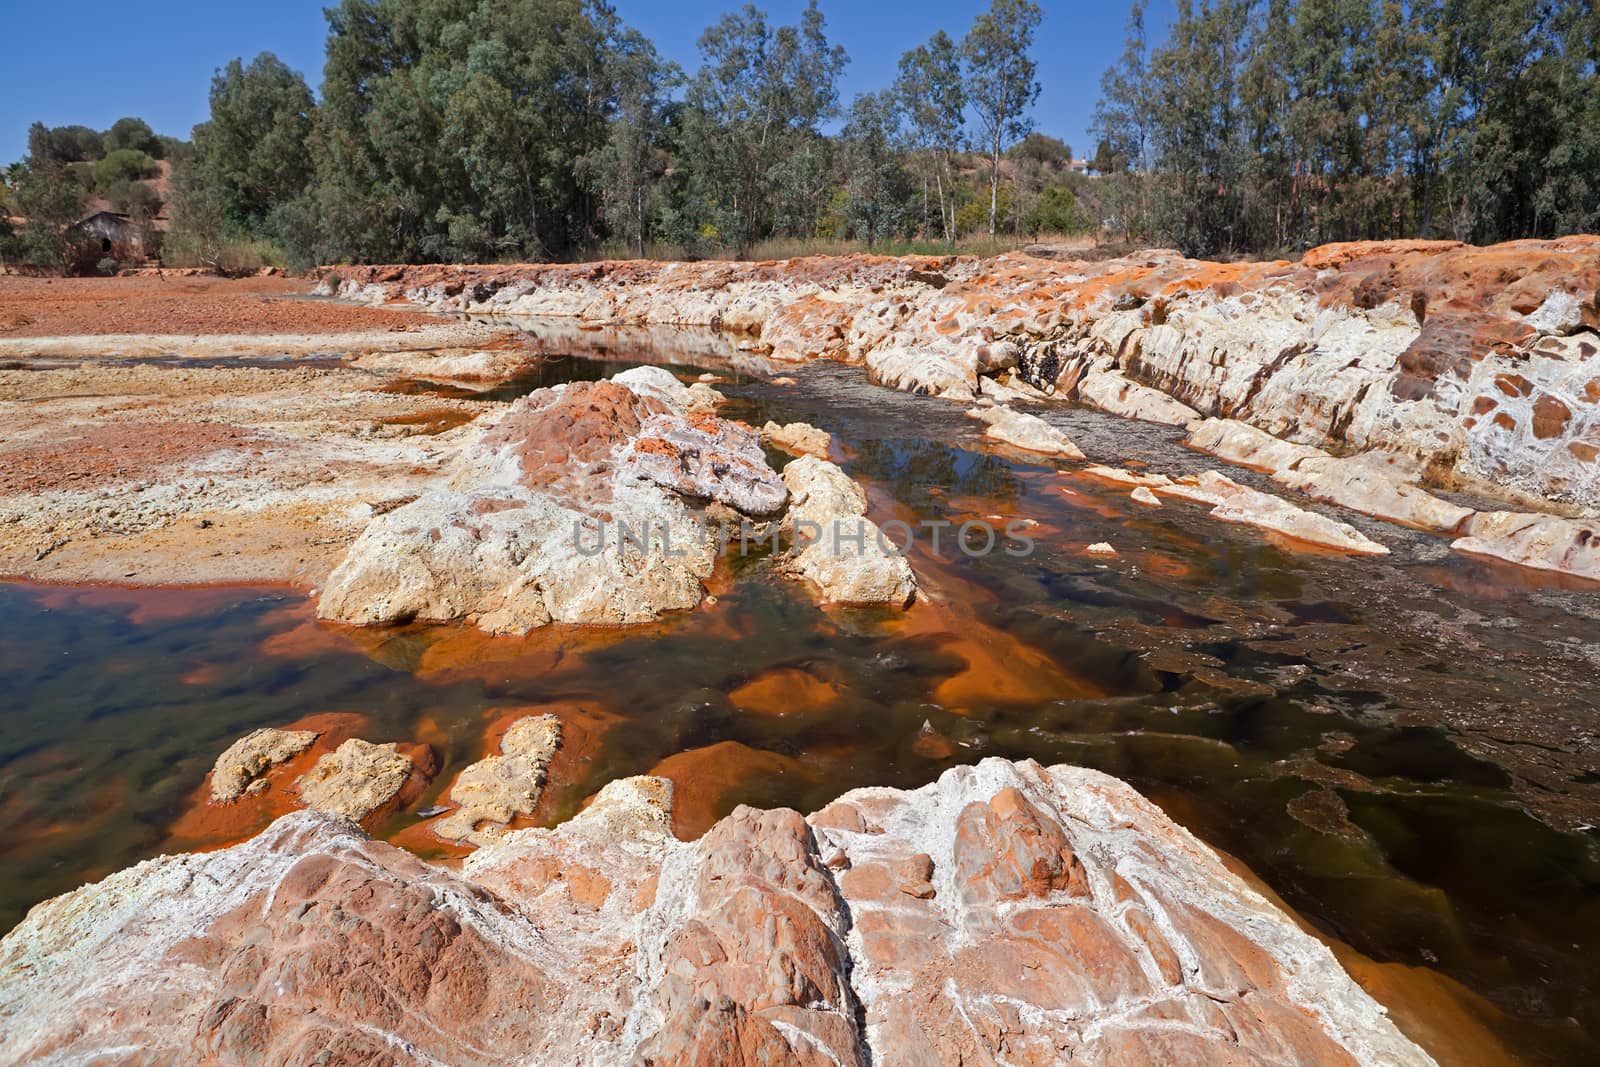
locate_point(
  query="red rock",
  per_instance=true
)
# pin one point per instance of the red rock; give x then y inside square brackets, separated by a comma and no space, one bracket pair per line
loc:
[1005,913]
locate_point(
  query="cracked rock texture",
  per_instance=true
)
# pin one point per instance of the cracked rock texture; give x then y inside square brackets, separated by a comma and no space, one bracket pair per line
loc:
[847,557]
[496,789]
[1006,913]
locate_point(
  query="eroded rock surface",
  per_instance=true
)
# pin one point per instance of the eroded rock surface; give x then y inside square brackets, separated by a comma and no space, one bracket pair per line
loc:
[1364,484]
[246,758]
[1477,368]
[843,553]
[1233,502]
[355,779]
[798,438]
[1024,431]
[585,503]
[1543,541]
[1006,913]
[499,788]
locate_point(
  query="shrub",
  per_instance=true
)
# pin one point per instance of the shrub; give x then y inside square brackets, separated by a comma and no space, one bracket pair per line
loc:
[123,165]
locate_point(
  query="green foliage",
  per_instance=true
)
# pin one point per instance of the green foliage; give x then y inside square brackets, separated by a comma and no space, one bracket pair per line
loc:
[122,166]
[628,171]
[1000,81]
[254,153]
[45,195]
[455,129]
[878,188]
[752,127]
[1280,124]
[1055,210]
[63,144]
[133,198]
[972,216]
[932,97]
[133,135]
[539,129]
[1041,150]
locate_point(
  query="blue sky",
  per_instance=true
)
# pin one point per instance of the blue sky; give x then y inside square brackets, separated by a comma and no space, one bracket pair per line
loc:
[155,59]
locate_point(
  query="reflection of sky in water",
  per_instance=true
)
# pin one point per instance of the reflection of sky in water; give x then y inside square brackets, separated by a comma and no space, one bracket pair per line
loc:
[1285,706]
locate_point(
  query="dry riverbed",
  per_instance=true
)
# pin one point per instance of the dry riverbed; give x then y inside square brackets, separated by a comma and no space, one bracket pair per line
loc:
[242,439]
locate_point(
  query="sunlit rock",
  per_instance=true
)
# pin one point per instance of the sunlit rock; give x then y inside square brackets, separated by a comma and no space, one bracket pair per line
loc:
[1054,912]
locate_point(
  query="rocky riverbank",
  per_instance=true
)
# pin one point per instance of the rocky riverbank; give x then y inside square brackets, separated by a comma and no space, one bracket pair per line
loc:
[1007,911]
[1422,365]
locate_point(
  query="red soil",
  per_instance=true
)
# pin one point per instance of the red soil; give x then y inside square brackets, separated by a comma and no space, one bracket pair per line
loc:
[152,304]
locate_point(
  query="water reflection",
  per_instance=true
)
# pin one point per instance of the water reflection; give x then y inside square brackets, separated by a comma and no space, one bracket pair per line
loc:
[1388,744]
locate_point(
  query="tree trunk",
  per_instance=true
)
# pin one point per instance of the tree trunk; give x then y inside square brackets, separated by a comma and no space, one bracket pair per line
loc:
[994,188]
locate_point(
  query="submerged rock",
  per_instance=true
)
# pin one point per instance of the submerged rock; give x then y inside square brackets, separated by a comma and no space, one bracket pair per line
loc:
[798,438]
[1233,502]
[1006,912]
[245,759]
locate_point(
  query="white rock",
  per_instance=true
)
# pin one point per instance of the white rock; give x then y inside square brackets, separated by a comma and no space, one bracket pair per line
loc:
[1366,485]
[1546,542]
[1024,431]
[1561,313]
[1249,446]
[849,559]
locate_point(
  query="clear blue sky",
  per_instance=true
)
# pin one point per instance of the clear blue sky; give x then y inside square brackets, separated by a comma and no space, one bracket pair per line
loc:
[155,59]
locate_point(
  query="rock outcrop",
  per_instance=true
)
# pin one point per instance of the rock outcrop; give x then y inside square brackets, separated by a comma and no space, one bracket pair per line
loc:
[798,438]
[359,778]
[1007,913]
[1231,502]
[1027,432]
[838,549]
[490,793]
[1365,484]
[1571,546]
[237,769]
[585,503]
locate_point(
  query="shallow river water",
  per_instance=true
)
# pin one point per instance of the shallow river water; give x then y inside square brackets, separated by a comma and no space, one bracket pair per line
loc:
[1404,750]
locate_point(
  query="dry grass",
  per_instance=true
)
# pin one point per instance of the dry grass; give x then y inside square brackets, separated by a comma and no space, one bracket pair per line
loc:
[794,248]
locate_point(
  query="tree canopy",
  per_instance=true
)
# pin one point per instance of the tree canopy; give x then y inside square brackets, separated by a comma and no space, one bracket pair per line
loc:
[541,129]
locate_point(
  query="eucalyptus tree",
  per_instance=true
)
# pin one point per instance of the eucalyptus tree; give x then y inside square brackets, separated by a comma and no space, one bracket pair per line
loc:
[876,183]
[628,171]
[931,95]
[253,153]
[753,132]
[1122,121]
[1000,81]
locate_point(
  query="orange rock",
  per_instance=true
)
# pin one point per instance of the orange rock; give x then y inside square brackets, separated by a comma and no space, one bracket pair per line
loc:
[783,691]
